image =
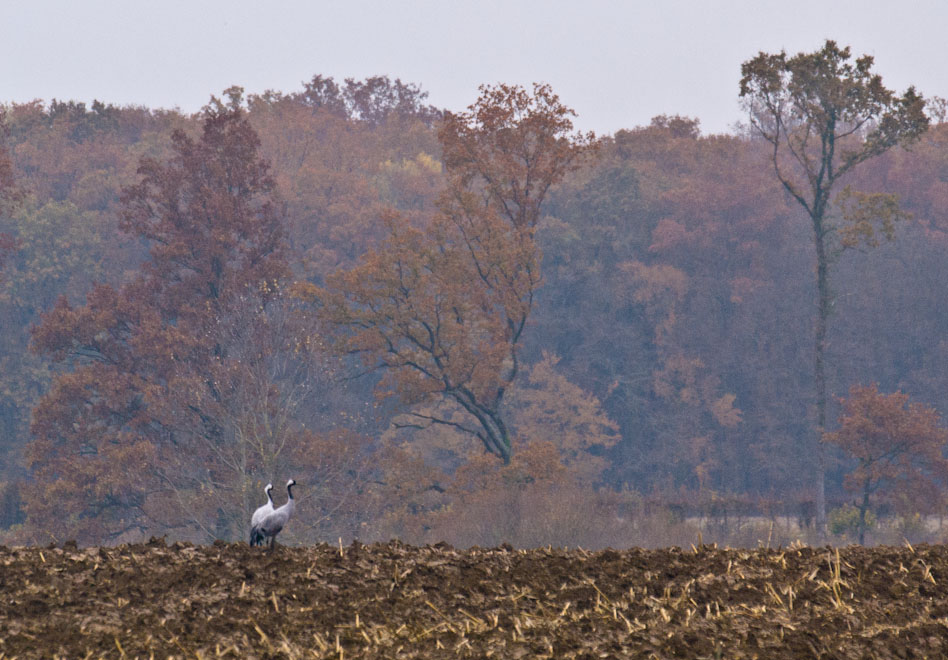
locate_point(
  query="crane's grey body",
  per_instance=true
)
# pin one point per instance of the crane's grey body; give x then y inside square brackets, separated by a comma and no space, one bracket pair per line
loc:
[274,522]
[256,536]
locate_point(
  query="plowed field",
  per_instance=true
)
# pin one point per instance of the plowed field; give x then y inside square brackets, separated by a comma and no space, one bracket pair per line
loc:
[396,601]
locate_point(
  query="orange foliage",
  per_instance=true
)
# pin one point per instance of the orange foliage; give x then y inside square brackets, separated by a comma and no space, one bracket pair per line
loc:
[898,448]
[549,408]
[444,309]
[339,154]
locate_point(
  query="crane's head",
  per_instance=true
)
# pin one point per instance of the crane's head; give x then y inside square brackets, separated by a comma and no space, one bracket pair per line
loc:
[268,489]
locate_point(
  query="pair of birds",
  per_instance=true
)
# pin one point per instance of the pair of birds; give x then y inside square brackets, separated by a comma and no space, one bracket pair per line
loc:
[267,521]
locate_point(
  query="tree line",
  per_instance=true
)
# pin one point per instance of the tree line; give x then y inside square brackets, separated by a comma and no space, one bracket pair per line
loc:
[479,326]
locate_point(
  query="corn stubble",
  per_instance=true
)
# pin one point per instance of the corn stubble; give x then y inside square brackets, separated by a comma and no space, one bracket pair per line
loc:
[397,601]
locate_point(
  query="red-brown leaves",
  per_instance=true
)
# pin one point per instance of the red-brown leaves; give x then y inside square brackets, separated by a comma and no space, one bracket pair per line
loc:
[444,310]
[153,400]
[516,144]
[898,446]
[209,211]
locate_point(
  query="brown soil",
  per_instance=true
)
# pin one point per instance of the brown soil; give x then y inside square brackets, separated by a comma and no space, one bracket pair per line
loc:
[396,601]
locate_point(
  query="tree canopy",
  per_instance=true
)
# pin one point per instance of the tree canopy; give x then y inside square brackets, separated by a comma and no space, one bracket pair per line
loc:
[823,115]
[898,448]
[155,364]
[474,327]
[444,308]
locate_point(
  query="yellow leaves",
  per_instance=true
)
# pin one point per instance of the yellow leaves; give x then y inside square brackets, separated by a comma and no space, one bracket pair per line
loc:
[411,184]
[428,162]
[419,164]
[863,212]
[303,290]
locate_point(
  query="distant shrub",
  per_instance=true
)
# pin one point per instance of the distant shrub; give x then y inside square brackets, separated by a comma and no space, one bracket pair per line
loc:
[844,521]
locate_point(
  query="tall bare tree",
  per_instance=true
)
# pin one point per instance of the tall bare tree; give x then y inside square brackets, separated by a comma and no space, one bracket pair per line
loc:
[824,114]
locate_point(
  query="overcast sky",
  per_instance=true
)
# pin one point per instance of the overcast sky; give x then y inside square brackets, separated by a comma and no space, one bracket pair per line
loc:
[617,63]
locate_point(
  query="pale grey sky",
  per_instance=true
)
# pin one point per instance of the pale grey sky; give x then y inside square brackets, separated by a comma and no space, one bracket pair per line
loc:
[617,63]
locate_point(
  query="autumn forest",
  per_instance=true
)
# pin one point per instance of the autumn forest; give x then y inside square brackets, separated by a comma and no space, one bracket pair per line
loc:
[481,326]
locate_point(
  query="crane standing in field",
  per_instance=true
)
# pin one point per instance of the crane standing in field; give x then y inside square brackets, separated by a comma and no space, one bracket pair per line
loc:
[256,536]
[273,523]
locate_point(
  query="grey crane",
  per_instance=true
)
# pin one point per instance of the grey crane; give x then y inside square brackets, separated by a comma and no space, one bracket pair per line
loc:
[256,536]
[273,523]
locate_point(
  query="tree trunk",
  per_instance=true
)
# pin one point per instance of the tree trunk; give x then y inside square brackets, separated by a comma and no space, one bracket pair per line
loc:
[863,509]
[819,370]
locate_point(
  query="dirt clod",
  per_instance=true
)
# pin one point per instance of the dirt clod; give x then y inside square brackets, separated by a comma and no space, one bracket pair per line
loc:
[396,601]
